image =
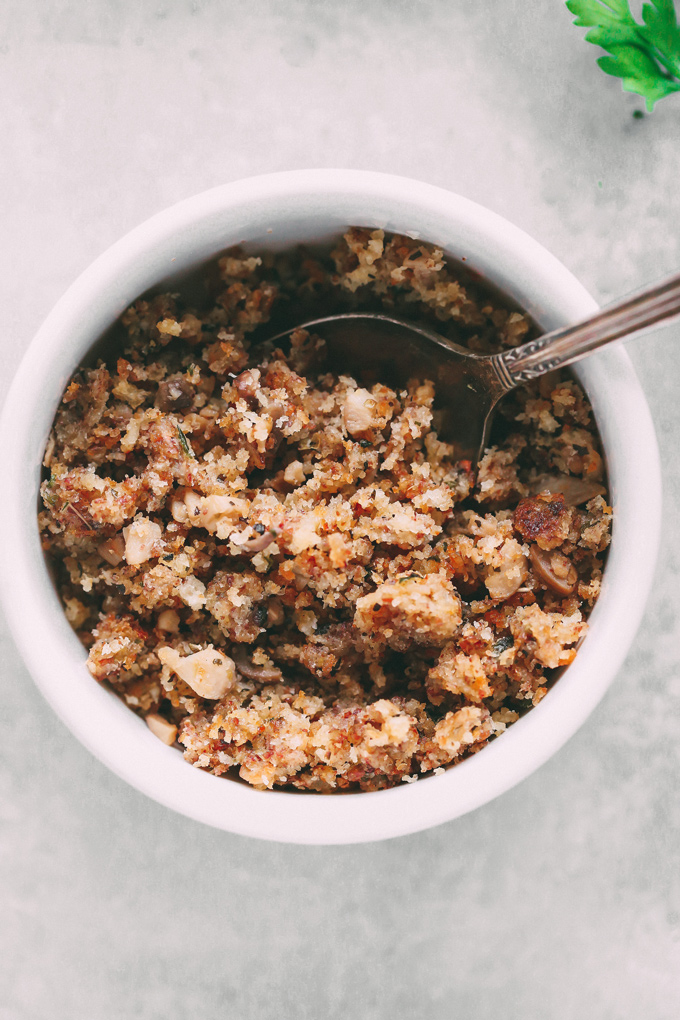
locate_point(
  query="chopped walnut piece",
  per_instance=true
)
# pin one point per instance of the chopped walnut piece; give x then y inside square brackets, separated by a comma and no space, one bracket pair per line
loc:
[218,514]
[209,673]
[161,728]
[142,541]
[364,412]
[168,621]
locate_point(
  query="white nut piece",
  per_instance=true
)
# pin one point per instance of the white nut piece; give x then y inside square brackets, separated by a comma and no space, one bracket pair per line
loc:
[294,473]
[142,540]
[161,728]
[76,612]
[220,514]
[112,550]
[358,412]
[511,573]
[192,592]
[209,673]
[185,508]
[168,621]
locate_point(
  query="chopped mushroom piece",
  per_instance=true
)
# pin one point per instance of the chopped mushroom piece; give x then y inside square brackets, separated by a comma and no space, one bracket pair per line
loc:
[554,569]
[251,671]
[175,394]
[576,491]
[251,541]
[510,574]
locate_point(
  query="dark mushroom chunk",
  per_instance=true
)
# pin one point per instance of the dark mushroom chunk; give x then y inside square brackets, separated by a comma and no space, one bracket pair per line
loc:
[257,542]
[555,570]
[175,394]
[575,490]
[248,670]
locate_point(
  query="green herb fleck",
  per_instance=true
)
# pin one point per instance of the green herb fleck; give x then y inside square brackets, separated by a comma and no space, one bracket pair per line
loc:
[645,56]
[49,497]
[184,443]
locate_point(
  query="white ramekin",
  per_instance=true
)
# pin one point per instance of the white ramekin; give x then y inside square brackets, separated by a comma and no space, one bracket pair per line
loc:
[278,210]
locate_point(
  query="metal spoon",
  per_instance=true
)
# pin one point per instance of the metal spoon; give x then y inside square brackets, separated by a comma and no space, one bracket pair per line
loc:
[469,385]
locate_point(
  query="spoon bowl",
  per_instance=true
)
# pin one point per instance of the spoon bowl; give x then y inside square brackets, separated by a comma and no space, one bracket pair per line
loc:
[374,347]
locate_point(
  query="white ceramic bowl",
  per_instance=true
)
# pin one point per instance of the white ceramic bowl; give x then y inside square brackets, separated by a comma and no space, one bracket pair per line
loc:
[279,210]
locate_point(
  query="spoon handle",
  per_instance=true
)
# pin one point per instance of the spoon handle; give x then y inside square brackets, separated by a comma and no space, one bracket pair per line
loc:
[642,311]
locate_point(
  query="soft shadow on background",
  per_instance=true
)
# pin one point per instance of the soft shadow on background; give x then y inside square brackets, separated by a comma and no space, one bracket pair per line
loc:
[562,898]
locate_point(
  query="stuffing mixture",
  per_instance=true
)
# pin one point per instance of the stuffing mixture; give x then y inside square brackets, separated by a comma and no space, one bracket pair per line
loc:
[282,568]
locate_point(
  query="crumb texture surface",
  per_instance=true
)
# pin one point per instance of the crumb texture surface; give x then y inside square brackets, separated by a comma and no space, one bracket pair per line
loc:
[285,567]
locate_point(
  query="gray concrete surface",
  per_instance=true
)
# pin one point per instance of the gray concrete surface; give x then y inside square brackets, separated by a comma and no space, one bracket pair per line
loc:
[561,899]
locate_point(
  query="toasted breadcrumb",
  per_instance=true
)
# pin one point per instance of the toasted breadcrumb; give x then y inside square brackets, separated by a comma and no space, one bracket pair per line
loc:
[282,567]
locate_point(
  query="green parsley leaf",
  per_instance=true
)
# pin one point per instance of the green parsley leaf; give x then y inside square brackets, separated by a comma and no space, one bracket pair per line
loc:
[645,56]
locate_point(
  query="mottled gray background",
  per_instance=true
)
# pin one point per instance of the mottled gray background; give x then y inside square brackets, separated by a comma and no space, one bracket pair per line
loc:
[561,899]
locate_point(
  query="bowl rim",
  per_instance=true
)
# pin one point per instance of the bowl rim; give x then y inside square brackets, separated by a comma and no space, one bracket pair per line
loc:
[107,727]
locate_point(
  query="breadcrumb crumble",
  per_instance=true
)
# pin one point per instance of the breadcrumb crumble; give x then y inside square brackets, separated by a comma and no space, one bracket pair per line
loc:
[282,568]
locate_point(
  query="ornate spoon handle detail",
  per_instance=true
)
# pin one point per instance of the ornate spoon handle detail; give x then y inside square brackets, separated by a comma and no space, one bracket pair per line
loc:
[642,311]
